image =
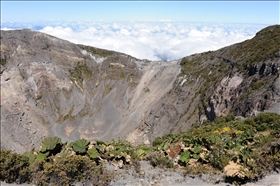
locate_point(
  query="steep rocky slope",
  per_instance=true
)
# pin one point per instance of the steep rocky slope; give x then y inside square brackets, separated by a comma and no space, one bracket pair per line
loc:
[52,87]
[241,79]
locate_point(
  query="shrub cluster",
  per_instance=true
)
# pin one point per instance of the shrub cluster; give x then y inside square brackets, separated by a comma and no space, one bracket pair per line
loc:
[14,167]
[252,145]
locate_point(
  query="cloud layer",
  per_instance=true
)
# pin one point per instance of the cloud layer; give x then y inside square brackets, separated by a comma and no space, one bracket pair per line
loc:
[162,40]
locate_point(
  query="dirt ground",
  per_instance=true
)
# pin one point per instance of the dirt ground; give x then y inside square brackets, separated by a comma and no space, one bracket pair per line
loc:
[146,175]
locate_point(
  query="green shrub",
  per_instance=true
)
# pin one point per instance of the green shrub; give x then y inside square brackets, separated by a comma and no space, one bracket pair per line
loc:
[42,156]
[229,117]
[185,157]
[93,153]
[218,158]
[254,143]
[249,121]
[275,133]
[141,152]
[70,170]
[80,72]
[80,146]
[261,127]
[52,145]
[14,167]
[3,61]
[159,160]
[97,51]
[276,125]
[30,155]
[267,117]
[157,141]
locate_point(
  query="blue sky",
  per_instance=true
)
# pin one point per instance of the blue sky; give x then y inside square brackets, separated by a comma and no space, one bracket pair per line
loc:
[266,12]
[154,30]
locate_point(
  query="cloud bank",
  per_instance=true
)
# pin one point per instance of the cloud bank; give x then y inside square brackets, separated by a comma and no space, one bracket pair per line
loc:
[162,40]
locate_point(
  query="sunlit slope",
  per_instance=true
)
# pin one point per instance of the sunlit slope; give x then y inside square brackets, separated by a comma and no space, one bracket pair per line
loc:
[52,87]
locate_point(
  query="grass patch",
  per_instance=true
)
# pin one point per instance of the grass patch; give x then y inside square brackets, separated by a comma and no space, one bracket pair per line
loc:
[3,61]
[97,51]
[210,147]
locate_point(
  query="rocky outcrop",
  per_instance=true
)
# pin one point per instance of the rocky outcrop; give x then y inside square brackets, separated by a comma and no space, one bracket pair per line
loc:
[225,95]
[53,87]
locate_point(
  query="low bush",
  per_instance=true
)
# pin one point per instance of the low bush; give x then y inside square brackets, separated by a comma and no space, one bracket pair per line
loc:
[159,160]
[252,144]
[14,167]
[70,170]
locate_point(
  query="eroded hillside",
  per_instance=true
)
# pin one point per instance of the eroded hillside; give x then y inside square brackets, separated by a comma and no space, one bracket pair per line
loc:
[53,87]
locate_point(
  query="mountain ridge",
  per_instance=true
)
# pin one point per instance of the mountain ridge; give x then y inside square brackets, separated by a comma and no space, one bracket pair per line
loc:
[53,87]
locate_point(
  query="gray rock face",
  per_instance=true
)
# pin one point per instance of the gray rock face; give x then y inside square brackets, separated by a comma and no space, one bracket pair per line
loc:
[45,93]
[51,87]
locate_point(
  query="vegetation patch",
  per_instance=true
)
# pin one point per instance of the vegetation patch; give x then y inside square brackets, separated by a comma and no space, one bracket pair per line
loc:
[14,167]
[249,59]
[107,90]
[79,73]
[97,51]
[230,141]
[242,150]
[3,61]
[66,117]
[265,45]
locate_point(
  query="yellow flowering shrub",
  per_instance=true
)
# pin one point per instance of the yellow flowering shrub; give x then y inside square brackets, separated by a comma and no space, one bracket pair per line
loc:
[227,130]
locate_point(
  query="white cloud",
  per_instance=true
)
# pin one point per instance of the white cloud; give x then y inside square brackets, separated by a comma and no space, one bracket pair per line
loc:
[5,28]
[165,20]
[161,40]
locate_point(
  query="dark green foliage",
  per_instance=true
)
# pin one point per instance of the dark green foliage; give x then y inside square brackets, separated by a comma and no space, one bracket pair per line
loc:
[197,150]
[209,68]
[97,51]
[30,155]
[158,160]
[276,125]
[80,146]
[252,143]
[264,45]
[196,156]
[218,158]
[14,167]
[245,154]
[275,133]
[229,117]
[63,154]
[264,121]
[80,72]
[122,146]
[188,154]
[51,144]
[267,118]
[42,156]
[257,84]
[224,119]
[228,139]
[157,141]
[185,157]
[3,61]
[141,152]
[99,142]
[100,148]
[249,121]
[70,170]
[93,153]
